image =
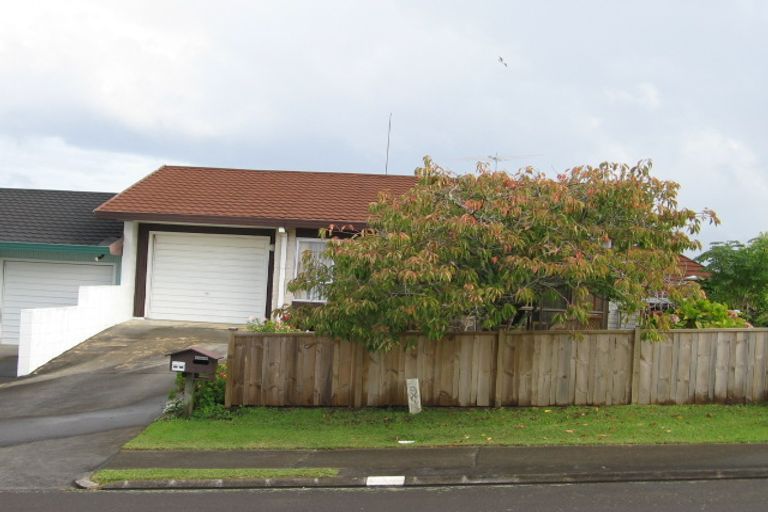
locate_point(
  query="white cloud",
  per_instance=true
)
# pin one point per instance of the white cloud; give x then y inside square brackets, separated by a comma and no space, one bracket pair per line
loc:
[51,163]
[720,172]
[644,95]
[92,85]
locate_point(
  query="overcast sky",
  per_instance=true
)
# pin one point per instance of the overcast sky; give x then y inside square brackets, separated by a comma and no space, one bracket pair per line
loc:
[95,95]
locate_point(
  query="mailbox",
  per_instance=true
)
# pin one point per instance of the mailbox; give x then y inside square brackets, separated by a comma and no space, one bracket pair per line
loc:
[195,361]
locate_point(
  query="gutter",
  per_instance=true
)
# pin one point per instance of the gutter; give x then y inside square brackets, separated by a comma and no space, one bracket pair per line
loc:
[26,246]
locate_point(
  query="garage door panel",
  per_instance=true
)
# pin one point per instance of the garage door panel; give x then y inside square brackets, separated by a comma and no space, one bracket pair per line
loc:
[222,275]
[29,298]
[35,284]
[209,251]
[195,294]
[212,310]
[192,316]
[35,290]
[212,258]
[214,278]
[22,270]
[214,268]
[227,276]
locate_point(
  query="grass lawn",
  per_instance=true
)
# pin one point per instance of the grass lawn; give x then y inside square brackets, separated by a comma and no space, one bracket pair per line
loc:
[105,476]
[289,428]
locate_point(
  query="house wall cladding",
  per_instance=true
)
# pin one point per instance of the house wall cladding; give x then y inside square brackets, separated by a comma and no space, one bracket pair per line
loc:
[503,369]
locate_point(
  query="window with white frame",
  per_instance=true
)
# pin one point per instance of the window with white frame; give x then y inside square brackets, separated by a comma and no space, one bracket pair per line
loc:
[316,247]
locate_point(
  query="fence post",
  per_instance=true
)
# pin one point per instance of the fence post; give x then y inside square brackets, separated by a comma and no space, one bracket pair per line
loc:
[230,371]
[637,342]
[501,338]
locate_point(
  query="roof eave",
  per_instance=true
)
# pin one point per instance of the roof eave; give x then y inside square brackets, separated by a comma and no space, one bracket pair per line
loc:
[223,220]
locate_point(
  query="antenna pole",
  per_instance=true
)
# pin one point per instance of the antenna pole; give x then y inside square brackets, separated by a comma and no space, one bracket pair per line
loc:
[389,131]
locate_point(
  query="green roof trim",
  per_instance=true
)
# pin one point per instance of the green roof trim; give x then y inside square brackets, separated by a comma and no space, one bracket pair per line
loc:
[21,246]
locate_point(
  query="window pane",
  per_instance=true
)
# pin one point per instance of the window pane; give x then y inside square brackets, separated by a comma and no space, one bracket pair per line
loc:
[316,249]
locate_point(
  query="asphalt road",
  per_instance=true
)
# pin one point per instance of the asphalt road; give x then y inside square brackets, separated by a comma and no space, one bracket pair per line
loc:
[712,496]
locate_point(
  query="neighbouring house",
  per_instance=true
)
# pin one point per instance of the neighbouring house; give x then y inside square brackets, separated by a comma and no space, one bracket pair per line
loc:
[220,245]
[690,270]
[50,245]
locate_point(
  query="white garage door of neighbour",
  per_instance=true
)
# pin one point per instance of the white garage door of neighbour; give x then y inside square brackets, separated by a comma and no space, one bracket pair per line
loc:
[208,278]
[32,284]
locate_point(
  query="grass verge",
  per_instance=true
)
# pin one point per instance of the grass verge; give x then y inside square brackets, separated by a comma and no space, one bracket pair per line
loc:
[105,476]
[293,428]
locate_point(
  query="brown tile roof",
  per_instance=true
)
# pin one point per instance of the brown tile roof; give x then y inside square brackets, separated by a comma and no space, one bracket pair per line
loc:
[692,268]
[252,197]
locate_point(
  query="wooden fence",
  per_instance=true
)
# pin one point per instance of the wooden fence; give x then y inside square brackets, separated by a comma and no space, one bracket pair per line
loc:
[503,369]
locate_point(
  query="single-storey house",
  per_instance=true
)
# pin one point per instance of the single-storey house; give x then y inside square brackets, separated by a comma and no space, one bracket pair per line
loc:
[198,244]
[50,245]
[220,245]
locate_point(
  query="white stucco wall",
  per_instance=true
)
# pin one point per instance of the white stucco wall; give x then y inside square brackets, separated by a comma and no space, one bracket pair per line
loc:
[130,251]
[290,256]
[47,332]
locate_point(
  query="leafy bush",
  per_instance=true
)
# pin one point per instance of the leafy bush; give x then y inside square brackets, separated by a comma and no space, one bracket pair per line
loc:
[488,246]
[209,397]
[739,276]
[270,326]
[705,314]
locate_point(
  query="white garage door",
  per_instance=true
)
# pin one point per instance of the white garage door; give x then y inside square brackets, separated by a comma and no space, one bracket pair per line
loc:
[208,278]
[29,284]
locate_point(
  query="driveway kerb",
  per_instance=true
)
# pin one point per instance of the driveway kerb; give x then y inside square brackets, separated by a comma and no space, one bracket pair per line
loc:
[434,480]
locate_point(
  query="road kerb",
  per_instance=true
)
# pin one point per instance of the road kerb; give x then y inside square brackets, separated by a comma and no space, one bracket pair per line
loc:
[446,480]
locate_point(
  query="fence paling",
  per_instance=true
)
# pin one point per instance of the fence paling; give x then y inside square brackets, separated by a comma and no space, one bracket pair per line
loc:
[502,369]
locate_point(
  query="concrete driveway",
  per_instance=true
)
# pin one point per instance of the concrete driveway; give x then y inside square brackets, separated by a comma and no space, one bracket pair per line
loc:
[76,411]
[9,357]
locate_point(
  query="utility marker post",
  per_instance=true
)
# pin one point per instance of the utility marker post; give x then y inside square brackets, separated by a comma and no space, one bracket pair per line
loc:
[414,395]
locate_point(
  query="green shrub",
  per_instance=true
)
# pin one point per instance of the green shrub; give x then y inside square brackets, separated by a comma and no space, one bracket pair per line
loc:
[209,396]
[705,314]
[270,326]
[210,392]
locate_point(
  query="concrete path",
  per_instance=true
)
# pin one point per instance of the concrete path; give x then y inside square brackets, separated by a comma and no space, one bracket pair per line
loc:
[79,409]
[446,466]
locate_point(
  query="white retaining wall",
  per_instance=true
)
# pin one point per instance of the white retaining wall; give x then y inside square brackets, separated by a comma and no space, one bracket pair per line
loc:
[48,332]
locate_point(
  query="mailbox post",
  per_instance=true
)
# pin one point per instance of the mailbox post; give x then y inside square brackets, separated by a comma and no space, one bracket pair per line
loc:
[193,363]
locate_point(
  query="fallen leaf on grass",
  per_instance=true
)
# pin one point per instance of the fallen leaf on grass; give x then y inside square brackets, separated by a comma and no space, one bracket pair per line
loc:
[570,431]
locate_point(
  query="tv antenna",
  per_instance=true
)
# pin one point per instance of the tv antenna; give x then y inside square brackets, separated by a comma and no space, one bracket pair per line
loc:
[389,132]
[496,158]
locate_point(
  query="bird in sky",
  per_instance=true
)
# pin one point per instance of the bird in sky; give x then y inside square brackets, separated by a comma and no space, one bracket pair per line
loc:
[501,61]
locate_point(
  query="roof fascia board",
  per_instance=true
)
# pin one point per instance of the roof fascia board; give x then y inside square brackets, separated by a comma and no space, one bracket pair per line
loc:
[27,246]
[224,221]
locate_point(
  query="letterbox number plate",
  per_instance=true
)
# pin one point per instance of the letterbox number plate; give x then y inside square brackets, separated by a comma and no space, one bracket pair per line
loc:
[178,366]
